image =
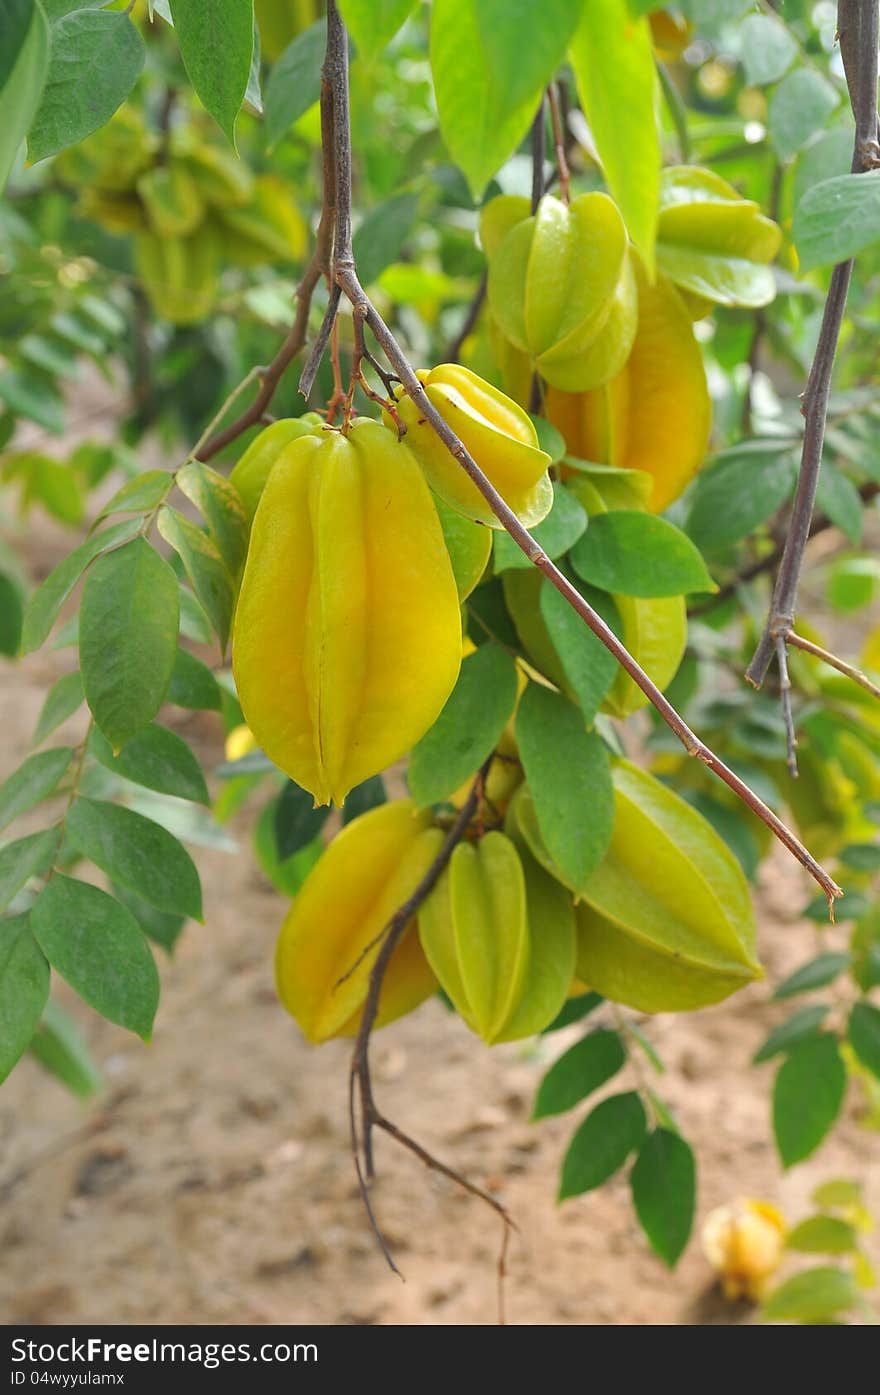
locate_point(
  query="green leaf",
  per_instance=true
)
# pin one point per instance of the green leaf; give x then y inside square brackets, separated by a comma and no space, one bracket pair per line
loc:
[161,927]
[157,758]
[60,1049]
[98,947]
[129,622]
[35,397]
[800,105]
[802,1024]
[373,23]
[837,496]
[365,796]
[138,853]
[208,574]
[569,776]
[768,49]
[864,1035]
[25,858]
[739,490]
[34,779]
[295,80]
[639,554]
[11,614]
[840,1191]
[216,45]
[556,533]
[573,1010]
[95,60]
[297,820]
[864,856]
[582,1069]
[469,727]
[602,1144]
[43,606]
[193,685]
[23,67]
[140,495]
[480,124]
[807,1096]
[379,240]
[663,1183]
[815,1295]
[286,876]
[62,700]
[589,667]
[24,989]
[815,974]
[521,70]
[837,218]
[822,1235]
[613,63]
[220,505]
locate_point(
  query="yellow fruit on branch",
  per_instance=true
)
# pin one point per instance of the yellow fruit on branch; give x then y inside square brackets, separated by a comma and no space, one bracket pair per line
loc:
[251,471]
[368,871]
[744,1242]
[498,434]
[347,638]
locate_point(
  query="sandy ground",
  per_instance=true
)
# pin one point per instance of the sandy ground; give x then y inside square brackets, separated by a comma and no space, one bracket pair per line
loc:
[212,1181]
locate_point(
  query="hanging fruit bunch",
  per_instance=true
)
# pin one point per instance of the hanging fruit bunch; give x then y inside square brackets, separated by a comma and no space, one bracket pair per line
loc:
[384,612]
[190,206]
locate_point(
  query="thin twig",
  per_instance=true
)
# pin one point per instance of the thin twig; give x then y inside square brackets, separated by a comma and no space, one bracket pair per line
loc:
[833,661]
[787,716]
[538,152]
[675,107]
[858,21]
[558,142]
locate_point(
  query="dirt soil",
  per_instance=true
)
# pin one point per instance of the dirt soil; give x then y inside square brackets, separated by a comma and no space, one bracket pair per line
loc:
[212,1180]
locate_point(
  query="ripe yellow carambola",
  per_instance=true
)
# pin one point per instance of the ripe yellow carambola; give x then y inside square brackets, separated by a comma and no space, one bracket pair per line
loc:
[250,473]
[347,638]
[499,435]
[368,871]
[744,1242]
[561,286]
[499,935]
[656,414]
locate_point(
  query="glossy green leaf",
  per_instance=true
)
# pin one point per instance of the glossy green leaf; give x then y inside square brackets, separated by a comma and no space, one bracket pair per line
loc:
[864,1034]
[298,820]
[602,1144]
[24,989]
[806,1022]
[800,105]
[62,700]
[561,528]
[141,494]
[468,728]
[11,614]
[25,858]
[815,1295]
[216,45]
[43,606]
[823,969]
[569,777]
[193,685]
[138,853]
[837,218]
[373,23]
[221,507]
[379,239]
[365,796]
[663,1183]
[822,1235]
[807,1096]
[95,59]
[295,80]
[613,63]
[639,554]
[99,948]
[23,68]
[286,875]
[157,758]
[129,621]
[60,1049]
[589,667]
[34,779]
[160,926]
[837,496]
[738,491]
[582,1069]
[768,49]
[208,574]
[573,1010]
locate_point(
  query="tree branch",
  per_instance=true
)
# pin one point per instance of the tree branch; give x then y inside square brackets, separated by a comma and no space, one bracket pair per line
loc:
[858,27]
[833,661]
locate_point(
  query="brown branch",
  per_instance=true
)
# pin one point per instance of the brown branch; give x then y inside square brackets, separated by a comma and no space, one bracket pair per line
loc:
[858,22]
[833,661]
[558,141]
